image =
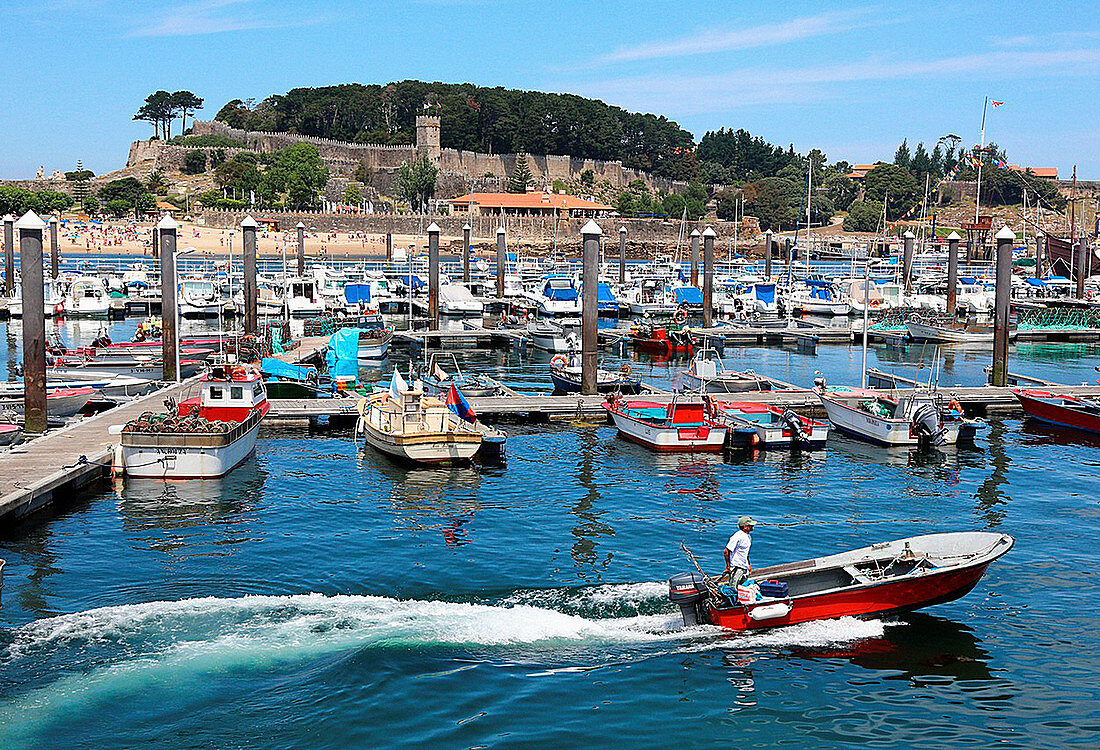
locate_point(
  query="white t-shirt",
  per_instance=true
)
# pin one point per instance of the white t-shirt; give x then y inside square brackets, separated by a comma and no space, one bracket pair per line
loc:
[738,546]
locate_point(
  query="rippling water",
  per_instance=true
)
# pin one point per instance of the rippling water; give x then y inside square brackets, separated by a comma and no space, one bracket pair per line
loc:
[324,597]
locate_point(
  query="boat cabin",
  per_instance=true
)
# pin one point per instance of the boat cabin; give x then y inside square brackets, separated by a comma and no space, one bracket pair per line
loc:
[228,394]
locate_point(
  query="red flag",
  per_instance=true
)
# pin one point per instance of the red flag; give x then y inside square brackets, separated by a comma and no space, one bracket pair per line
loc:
[995,103]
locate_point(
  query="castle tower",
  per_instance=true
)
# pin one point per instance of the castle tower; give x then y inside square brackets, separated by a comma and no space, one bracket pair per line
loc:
[427,137]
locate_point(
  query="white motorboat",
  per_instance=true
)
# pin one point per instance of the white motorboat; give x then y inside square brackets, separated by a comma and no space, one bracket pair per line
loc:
[199,298]
[708,374]
[818,298]
[948,334]
[458,300]
[207,437]
[302,299]
[917,419]
[406,425]
[53,301]
[86,298]
[551,337]
[652,296]
[558,297]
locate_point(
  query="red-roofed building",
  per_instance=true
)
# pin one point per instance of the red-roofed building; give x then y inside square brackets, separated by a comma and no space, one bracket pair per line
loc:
[859,171]
[526,204]
[1044,173]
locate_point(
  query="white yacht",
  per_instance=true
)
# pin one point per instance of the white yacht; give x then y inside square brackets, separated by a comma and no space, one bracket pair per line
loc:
[302,299]
[199,298]
[86,298]
[53,302]
[456,299]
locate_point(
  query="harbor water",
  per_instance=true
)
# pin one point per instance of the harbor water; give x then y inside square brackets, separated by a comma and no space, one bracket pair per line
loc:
[321,596]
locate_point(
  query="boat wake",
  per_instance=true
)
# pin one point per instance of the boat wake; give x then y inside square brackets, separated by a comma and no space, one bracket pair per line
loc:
[106,653]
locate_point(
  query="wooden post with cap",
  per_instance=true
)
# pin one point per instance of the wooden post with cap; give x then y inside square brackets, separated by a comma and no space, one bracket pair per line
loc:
[695,257]
[622,255]
[248,288]
[952,271]
[433,274]
[466,252]
[9,254]
[301,248]
[500,262]
[31,229]
[998,375]
[590,236]
[169,348]
[708,276]
[55,249]
[907,259]
[768,255]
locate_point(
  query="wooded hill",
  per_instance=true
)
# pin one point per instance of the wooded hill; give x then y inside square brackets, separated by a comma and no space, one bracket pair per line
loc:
[474,118]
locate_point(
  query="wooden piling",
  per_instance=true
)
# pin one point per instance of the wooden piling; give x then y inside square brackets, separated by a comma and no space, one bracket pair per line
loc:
[433,274]
[695,258]
[1040,241]
[389,245]
[466,252]
[622,255]
[166,240]
[1082,253]
[248,288]
[998,374]
[55,249]
[952,271]
[9,254]
[301,248]
[31,229]
[708,276]
[590,236]
[907,259]
[500,262]
[768,255]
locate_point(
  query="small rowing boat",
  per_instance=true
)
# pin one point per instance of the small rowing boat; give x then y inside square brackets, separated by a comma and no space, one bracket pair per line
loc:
[679,426]
[763,426]
[885,578]
[1064,411]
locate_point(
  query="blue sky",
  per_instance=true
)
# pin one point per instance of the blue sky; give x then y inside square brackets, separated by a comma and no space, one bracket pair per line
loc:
[852,80]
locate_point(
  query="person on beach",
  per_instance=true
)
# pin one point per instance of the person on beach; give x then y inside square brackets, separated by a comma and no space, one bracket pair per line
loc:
[737,551]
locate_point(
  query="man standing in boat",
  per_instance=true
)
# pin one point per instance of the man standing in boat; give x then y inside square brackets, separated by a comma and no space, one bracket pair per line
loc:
[737,551]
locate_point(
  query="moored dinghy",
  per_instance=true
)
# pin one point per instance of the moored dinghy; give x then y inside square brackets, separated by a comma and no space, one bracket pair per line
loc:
[917,419]
[884,578]
[764,426]
[708,374]
[681,426]
[1064,411]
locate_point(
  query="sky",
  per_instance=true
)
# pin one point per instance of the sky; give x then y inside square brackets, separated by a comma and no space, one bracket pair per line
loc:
[850,79]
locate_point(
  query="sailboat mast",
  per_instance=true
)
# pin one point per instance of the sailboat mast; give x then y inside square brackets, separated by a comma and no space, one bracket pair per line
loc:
[981,152]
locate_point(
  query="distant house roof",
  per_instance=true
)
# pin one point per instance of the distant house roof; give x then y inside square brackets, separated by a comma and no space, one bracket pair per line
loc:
[859,171]
[1049,173]
[166,206]
[528,201]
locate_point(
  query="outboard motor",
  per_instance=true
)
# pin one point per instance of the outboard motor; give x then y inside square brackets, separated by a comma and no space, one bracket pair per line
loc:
[689,591]
[927,425]
[798,429]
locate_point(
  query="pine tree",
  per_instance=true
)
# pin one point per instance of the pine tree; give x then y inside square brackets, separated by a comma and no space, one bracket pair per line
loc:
[901,156]
[521,175]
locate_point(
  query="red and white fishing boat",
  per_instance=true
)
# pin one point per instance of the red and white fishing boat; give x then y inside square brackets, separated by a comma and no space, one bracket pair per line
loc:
[884,578]
[759,425]
[60,402]
[207,436]
[1064,411]
[681,426]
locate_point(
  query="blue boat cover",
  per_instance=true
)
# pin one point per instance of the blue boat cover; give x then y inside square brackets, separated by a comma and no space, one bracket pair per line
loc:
[968,280]
[356,293]
[416,282]
[275,368]
[1035,282]
[688,295]
[342,354]
[765,293]
[568,294]
[604,293]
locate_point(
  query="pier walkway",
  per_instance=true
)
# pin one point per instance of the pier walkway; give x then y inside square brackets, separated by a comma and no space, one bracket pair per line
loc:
[61,461]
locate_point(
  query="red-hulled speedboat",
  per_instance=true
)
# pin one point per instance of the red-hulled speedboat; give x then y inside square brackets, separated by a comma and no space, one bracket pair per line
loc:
[681,426]
[1065,411]
[884,578]
[663,342]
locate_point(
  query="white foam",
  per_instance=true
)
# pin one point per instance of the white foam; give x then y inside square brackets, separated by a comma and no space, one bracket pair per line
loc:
[603,595]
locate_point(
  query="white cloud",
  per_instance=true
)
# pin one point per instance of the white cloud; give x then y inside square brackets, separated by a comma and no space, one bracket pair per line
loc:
[219,16]
[765,35]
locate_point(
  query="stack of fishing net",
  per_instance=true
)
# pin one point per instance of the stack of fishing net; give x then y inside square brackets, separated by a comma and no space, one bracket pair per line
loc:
[173,423]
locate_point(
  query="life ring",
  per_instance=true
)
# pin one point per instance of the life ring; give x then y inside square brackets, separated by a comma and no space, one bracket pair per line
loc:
[955,407]
[680,316]
[559,361]
[625,369]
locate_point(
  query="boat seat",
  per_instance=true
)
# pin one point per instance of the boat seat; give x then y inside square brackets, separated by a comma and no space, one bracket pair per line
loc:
[857,575]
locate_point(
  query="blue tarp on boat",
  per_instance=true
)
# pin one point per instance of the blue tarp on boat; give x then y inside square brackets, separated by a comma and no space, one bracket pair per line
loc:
[688,295]
[342,355]
[564,294]
[1035,282]
[356,293]
[765,293]
[275,368]
[416,281]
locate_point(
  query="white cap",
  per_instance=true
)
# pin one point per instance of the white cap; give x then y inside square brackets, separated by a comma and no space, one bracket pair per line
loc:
[708,232]
[30,220]
[300,225]
[500,230]
[909,235]
[954,236]
[167,222]
[694,233]
[249,223]
[466,227]
[591,228]
[9,217]
[622,230]
[1005,234]
[433,228]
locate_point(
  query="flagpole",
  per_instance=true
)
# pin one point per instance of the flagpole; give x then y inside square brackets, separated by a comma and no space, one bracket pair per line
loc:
[981,152]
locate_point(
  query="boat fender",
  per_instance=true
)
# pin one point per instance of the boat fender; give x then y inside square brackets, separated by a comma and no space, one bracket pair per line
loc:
[770,611]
